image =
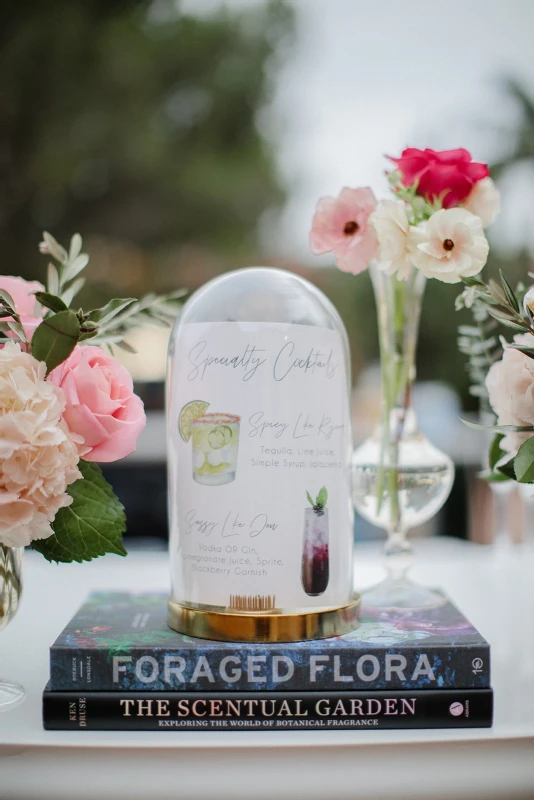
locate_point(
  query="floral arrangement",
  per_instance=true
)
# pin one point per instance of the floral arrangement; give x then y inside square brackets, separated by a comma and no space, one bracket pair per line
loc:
[65,404]
[443,201]
[432,227]
[503,372]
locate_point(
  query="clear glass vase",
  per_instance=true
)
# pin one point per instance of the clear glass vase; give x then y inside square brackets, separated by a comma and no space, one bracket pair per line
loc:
[400,480]
[11,694]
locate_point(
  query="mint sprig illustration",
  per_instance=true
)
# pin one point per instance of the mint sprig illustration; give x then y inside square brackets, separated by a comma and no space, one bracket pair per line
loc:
[320,501]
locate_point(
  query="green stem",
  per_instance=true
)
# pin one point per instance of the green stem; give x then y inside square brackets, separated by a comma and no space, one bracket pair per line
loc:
[398,305]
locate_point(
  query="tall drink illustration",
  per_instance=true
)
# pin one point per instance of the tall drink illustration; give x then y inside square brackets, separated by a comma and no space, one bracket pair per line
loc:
[315,571]
[215,445]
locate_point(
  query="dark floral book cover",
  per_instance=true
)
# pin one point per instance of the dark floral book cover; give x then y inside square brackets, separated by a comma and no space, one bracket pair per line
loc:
[121,641]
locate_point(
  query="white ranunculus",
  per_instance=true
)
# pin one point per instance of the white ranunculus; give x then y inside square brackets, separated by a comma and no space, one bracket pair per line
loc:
[484,200]
[38,454]
[510,384]
[392,227]
[450,245]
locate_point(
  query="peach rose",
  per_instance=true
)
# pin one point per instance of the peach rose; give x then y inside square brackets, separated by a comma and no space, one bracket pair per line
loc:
[510,384]
[100,403]
[26,306]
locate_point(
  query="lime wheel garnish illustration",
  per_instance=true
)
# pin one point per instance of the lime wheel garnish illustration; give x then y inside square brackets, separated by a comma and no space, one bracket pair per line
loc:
[191,411]
[220,436]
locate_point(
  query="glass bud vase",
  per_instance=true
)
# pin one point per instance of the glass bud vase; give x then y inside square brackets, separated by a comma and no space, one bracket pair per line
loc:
[11,694]
[400,480]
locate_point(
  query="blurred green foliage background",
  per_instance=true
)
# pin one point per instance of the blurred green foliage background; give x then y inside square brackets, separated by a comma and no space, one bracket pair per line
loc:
[137,125]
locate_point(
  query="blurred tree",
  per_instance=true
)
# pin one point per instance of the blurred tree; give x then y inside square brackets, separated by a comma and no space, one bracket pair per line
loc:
[131,121]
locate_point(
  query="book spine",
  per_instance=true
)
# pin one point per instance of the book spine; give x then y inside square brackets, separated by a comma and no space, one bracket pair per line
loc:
[287,669]
[266,710]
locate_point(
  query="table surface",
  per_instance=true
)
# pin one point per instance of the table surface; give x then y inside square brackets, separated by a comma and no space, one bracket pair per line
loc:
[493,586]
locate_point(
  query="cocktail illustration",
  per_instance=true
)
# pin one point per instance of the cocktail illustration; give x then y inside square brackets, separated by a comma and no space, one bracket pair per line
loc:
[215,442]
[315,571]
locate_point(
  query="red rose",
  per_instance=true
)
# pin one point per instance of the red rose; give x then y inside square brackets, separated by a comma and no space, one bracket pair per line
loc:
[450,171]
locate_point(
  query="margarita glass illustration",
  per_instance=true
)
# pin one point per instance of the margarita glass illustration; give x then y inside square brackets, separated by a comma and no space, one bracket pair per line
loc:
[215,439]
[315,572]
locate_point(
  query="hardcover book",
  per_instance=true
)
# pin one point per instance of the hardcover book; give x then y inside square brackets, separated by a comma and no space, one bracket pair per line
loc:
[266,710]
[121,641]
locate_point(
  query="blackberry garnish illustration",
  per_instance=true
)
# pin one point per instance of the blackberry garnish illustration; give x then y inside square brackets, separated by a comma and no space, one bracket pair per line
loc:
[319,503]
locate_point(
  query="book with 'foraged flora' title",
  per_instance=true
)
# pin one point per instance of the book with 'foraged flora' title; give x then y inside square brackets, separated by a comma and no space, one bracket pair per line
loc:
[120,641]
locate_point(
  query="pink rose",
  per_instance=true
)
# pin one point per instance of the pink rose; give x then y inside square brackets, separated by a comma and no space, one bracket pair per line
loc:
[450,171]
[26,306]
[341,226]
[100,403]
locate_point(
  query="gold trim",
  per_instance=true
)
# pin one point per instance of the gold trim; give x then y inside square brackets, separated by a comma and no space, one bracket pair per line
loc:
[228,626]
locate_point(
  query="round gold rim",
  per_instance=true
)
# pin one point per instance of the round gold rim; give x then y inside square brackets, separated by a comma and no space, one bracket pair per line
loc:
[231,627]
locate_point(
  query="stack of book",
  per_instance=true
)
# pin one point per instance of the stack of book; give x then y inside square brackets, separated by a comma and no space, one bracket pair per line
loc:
[117,666]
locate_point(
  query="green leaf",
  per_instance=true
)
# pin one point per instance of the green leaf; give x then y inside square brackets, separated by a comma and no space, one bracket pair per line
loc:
[55,338]
[87,335]
[92,526]
[51,301]
[507,469]
[495,477]
[509,292]
[497,293]
[519,327]
[478,426]
[322,497]
[110,310]
[310,501]
[524,462]
[526,349]
[496,452]
[473,282]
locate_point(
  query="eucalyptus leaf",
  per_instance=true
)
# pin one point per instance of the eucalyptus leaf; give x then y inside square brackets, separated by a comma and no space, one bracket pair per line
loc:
[70,293]
[509,292]
[126,347]
[17,329]
[110,310]
[54,248]
[91,526]
[52,279]
[75,246]
[524,462]
[8,300]
[55,338]
[73,268]
[496,292]
[509,324]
